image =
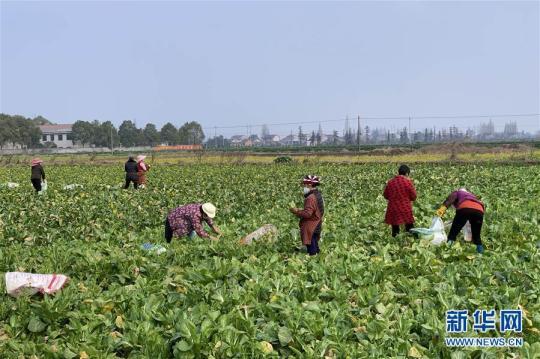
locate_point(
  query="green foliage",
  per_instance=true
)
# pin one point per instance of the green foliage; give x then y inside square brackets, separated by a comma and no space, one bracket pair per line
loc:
[20,130]
[190,133]
[283,159]
[84,132]
[366,295]
[151,134]
[129,134]
[169,134]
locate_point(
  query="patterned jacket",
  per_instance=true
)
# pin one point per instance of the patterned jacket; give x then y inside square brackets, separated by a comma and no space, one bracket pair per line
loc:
[188,218]
[400,193]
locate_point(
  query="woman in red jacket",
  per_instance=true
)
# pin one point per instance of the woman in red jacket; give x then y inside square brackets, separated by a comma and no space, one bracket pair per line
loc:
[400,193]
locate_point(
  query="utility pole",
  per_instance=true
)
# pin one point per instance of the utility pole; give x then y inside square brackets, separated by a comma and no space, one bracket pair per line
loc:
[358,133]
[112,146]
[410,138]
[215,137]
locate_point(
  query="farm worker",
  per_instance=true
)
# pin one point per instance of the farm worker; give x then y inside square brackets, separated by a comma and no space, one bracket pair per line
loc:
[142,168]
[468,208]
[131,173]
[188,220]
[38,174]
[400,193]
[311,216]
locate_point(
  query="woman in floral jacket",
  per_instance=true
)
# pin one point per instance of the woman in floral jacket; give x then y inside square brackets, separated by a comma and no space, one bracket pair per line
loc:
[188,220]
[400,193]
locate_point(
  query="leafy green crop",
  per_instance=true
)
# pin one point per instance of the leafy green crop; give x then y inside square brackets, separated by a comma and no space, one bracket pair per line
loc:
[366,295]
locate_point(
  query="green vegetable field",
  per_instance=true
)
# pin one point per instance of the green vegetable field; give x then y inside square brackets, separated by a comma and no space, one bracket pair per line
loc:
[366,295]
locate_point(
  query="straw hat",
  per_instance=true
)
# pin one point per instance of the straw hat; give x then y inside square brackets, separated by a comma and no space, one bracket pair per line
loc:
[209,209]
[140,158]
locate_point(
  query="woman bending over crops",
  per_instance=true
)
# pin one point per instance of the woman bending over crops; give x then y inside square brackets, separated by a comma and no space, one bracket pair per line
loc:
[38,174]
[468,208]
[400,193]
[311,216]
[188,220]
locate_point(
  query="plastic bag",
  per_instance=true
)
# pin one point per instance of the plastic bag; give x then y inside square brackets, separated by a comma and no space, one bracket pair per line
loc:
[19,283]
[268,230]
[435,233]
[439,235]
[467,232]
[155,248]
[43,187]
[72,186]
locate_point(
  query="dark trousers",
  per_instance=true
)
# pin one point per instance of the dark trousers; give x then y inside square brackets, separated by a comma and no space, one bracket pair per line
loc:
[475,218]
[37,184]
[395,228]
[313,248]
[168,231]
[135,183]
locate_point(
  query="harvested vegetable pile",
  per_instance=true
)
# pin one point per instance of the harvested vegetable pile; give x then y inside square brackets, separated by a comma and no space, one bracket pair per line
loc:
[366,295]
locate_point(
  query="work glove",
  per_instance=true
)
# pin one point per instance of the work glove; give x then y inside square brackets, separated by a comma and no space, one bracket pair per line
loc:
[441,211]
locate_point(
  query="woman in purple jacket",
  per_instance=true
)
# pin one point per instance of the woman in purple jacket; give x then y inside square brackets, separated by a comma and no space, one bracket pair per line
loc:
[468,208]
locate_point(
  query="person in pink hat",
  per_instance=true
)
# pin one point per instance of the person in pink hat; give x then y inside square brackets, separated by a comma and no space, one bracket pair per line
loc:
[38,174]
[142,168]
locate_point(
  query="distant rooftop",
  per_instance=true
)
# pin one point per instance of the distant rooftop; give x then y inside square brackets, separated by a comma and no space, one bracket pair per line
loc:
[56,128]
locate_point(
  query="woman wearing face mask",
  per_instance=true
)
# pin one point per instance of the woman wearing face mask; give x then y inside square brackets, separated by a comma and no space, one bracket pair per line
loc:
[400,193]
[311,216]
[188,221]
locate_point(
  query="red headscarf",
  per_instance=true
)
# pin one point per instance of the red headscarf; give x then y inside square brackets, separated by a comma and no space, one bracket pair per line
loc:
[36,161]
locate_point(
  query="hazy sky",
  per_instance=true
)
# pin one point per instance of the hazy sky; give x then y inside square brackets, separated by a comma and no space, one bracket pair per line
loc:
[238,63]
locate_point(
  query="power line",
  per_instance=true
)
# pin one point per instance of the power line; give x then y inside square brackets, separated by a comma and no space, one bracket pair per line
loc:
[434,117]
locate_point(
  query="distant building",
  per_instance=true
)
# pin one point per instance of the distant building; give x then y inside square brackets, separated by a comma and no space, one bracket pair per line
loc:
[290,140]
[238,140]
[253,140]
[60,135]
[245,141]
[271,140]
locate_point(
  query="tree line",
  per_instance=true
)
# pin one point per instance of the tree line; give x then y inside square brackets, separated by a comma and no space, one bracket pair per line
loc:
[20,130]
[105,134]
[23,131]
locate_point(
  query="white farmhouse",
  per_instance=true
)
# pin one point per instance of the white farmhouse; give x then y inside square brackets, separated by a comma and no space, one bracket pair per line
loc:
[60,135]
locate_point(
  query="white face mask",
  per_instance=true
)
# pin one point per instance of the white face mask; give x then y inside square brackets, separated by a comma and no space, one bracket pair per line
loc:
[307,190]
